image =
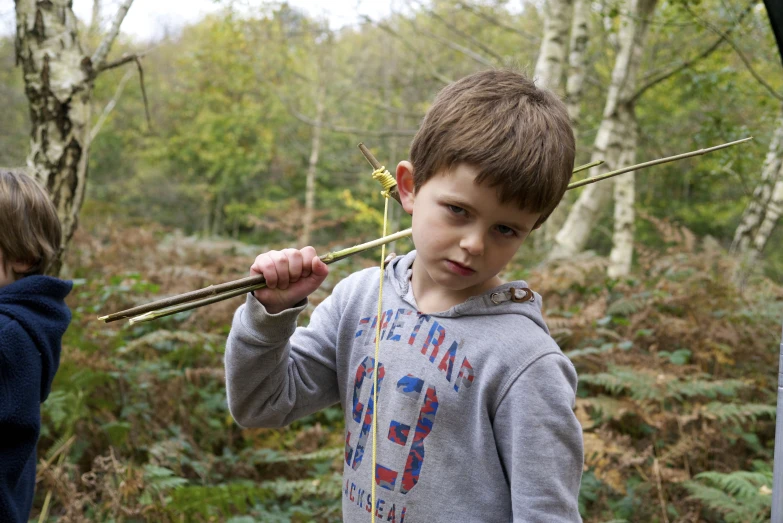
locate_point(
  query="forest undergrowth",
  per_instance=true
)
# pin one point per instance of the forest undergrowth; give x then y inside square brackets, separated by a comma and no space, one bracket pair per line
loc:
[677,380]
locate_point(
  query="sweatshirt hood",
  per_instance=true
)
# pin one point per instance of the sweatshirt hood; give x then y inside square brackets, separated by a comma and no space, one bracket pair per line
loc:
[37,304]
[513,297]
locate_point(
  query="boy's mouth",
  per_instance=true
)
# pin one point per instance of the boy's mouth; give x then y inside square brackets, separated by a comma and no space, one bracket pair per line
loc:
[458,268]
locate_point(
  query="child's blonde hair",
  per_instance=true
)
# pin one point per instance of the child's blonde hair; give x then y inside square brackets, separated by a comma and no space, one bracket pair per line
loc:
[30,230]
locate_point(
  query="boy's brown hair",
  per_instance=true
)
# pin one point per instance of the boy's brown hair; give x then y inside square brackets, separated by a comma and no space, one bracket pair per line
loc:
[517,136]
[30,230]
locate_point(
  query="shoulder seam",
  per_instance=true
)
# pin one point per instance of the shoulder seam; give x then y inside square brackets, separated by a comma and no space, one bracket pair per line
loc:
[521,370]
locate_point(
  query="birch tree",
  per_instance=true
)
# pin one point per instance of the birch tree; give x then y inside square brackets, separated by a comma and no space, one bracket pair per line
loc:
[624,196]
[95,19]
[577,57]
[763,210]
[552,54]
[59,78]
[609,142]
[312,166]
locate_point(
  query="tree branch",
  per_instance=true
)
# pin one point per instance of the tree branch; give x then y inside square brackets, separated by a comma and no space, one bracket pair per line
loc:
[435,74]
[478,43]
[124,59]
[110,106]
[339,128]
[349,130]
[144,94]
[725,36]
[99,57]
[460,49]
[494,21]
[687,63]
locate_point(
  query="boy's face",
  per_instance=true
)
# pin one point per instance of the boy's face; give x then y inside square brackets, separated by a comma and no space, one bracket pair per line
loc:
[464,235]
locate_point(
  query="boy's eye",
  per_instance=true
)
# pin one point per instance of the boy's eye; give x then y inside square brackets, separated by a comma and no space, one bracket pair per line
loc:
[457,210]
[506,230]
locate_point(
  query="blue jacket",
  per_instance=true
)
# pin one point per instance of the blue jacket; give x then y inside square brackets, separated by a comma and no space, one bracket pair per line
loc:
[33,318]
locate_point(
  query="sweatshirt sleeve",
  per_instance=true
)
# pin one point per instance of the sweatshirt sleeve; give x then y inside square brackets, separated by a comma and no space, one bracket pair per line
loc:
[20,420]
[275,372]
[540,441]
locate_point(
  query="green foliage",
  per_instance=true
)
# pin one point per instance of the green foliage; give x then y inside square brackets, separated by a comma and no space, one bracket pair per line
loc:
[738,413]
[260,500]
[740,496]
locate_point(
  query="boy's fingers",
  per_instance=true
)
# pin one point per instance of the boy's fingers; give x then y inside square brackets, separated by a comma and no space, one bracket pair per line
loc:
[319,268]
[281,266]
[294,265]
[308,253]
[270,270]
[265,266]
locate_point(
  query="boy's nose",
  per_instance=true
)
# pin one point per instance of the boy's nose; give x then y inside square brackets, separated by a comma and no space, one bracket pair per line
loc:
[473,243]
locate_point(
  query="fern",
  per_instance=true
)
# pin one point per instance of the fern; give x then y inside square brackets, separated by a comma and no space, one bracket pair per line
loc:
[741,496]
[699,387]
[64,408]
[608,407]
[222,500]
[587,351]
[641,385]
[163,339]
[268,456]
[738,413]
[57,445]
[628,306]
[159,480]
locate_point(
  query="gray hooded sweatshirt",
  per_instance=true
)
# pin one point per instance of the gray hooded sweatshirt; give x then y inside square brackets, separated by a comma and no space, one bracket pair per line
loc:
[475,419]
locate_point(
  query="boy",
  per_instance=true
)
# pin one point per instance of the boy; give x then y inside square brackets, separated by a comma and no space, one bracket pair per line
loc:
[33,318]
[475,419]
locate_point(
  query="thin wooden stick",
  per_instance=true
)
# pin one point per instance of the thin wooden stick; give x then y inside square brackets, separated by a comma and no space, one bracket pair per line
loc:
[587,166]
[377,165]
[212,290]
[208,295]
[588,181]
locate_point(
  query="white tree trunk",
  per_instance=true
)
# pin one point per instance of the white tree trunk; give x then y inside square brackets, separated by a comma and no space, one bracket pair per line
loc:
[771,217]
[58,79]
[762,211]
[609,141]
[577,57]
[621,256]
[576,76]
[552,54]
[58,87]
[315,149]
[95,20]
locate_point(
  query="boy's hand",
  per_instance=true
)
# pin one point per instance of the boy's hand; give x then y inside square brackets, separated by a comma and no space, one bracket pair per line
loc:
[291,275]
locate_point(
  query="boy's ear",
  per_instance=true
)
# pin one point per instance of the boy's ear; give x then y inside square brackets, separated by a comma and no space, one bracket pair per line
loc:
[405,185]
[20,267]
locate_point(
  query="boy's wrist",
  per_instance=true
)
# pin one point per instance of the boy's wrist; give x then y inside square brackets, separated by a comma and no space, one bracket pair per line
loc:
[275,309]
[269,329]
[271,309]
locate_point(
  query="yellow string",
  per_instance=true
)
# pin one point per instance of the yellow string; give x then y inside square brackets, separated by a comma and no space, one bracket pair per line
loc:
[387,182]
